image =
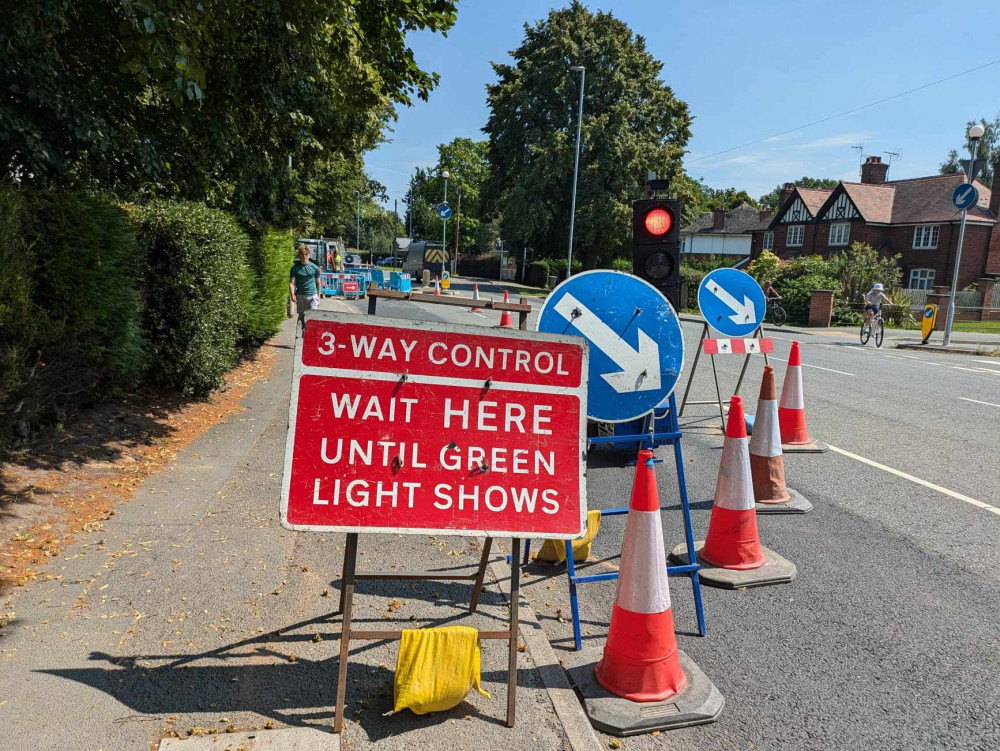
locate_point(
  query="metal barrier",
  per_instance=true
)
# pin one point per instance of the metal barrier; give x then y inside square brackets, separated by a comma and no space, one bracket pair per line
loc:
[400,282]
[333,283]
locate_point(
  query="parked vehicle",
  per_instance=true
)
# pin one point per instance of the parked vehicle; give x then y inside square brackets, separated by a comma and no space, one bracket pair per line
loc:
[352,259]
[388,261]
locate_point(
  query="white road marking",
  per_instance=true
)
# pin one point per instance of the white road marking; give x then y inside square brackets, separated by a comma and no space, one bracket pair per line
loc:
[994,363]
[817,367]
[988,404]
[918,481]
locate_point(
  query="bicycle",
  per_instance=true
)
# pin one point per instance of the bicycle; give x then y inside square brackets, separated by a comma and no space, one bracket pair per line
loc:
[876,325]
[775,312]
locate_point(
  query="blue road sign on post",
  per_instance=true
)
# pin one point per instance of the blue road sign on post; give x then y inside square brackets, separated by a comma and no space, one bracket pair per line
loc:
[732,302]
[965,196]
[444,211]
[636,345]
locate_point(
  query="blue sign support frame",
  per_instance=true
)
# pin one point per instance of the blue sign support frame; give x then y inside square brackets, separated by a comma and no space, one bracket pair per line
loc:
[648,439]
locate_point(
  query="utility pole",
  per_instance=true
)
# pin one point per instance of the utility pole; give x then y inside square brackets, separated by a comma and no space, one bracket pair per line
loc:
[357,237]
[975,133]
[524,263]
[409,211]
[458,221]
[395,227]
[444,222]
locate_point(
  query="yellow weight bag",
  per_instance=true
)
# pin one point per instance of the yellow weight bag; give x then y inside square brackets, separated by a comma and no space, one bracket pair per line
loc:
[554,551]
[436,668]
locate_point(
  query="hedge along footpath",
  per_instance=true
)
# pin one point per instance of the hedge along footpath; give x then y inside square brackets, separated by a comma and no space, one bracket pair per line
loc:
[271,255]
[197,293]
[69,321]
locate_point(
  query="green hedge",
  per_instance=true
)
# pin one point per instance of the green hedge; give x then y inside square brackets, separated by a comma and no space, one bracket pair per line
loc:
[69,317]
[198,293]
[271,256]
[538,274]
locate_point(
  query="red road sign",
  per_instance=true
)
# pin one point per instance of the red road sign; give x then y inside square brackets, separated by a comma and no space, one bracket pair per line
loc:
[349,287]
[421,427]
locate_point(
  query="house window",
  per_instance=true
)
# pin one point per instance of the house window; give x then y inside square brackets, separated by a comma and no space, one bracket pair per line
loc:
[839,233]
[921,278]
[796,233]
[926,236]
[768,241]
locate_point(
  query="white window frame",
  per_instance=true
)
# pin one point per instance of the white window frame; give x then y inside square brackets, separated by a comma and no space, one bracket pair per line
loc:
[801,235]
[925,236]
[922,278]
[840,233]
[767,243]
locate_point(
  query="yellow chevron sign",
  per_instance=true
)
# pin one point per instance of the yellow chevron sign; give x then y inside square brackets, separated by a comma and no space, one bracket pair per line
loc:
[436,255]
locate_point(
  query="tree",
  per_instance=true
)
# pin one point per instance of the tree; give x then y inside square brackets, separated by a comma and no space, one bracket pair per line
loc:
[724,198]
[204,104]
[988,149]
[632,124]
[773,198]
[465,161]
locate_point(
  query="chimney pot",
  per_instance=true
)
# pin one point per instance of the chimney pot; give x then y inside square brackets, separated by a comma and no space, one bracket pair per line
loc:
[873,171]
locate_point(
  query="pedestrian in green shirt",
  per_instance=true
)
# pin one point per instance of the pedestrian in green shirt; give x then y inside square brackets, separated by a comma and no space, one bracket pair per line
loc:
[304,284]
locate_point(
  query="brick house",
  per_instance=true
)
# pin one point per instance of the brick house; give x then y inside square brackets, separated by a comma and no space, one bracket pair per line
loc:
[912,217]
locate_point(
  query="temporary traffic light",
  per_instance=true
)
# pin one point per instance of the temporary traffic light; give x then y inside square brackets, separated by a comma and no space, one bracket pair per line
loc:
[656,245]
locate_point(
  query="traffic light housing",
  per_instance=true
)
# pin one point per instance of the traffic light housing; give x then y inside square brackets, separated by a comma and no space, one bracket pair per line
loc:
[656,245]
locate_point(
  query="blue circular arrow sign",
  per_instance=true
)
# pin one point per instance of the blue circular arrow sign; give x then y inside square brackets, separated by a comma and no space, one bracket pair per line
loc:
[444,211]
[636,345]
[732,302]
[965,196]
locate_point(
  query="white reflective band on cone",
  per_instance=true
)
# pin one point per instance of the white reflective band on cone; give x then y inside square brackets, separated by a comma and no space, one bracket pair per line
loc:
[766,438]
[734,489]
[791,392]
[642,577]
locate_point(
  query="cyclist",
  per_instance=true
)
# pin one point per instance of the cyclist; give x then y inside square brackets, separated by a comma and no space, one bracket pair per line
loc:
[873,301]
[770,293]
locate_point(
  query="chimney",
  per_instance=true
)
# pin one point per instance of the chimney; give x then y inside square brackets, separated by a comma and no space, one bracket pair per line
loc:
[873,171]
[786,193]
[995,191]
[719,219]
[765,213]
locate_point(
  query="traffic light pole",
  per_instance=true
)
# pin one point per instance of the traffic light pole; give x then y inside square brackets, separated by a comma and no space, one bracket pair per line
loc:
[576,172]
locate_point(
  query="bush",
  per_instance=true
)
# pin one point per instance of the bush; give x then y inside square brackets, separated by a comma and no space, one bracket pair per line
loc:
[482,264]
[557,267]
[198,293]
[621,264]
[271,256]
[691,277]
[765,268]
[538,274]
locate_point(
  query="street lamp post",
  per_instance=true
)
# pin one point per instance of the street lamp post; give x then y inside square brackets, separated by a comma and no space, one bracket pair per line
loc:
[444,222]
[975,133]
[576,169]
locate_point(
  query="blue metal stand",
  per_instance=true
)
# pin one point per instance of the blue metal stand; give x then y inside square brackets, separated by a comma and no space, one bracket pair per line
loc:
[648,439]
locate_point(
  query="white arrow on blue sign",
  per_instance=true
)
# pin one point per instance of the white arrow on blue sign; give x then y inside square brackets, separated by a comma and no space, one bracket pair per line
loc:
[965,196]
[636,345]
[444,211]
[732,302]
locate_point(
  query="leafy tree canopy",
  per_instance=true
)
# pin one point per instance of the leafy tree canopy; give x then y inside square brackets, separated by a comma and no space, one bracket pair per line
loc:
[988,149]
[632,124]
[465,161]
[204,102]
[771,199]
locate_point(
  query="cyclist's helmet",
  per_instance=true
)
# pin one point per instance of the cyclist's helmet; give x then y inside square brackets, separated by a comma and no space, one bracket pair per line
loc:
[878,287]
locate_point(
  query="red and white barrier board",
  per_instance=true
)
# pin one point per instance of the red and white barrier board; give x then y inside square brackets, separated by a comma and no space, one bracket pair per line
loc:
[421,427]
[737,346]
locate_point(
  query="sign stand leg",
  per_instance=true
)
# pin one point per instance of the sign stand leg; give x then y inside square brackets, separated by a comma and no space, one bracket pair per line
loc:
[484,559]
[694,368]
[515,594]
[350,564]
[718,395]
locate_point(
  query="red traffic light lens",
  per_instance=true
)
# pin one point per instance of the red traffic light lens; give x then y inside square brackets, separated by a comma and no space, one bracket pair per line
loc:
[658,222]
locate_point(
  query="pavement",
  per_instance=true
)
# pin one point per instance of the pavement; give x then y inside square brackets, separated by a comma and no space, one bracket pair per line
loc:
[192,601]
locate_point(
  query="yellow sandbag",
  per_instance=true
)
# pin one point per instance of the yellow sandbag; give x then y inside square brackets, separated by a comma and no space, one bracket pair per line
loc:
[555,550]
[436,668]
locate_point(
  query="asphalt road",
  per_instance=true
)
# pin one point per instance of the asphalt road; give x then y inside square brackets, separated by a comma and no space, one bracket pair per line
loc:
[888,638]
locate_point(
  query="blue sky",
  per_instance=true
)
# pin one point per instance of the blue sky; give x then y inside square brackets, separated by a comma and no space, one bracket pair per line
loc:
[746,70]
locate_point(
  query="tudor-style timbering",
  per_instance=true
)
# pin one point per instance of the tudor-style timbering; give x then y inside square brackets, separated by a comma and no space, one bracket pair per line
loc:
[796,213]
[840,209]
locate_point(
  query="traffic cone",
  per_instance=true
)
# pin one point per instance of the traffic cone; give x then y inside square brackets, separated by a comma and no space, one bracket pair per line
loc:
[437,287]
[731,554]
[506,321]
[643,682]
[732,540]
[792,410]
[475,296]
[766,464]
[640,661]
